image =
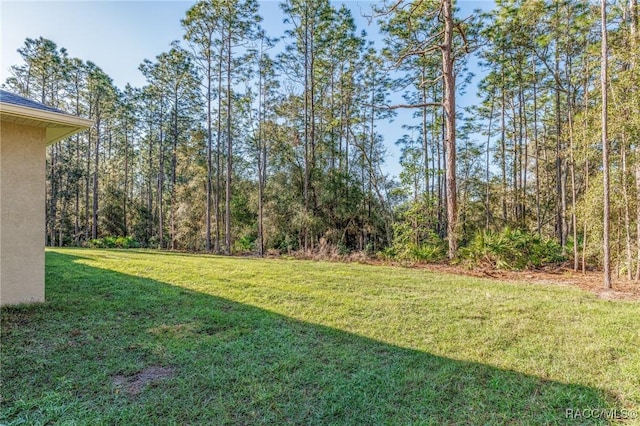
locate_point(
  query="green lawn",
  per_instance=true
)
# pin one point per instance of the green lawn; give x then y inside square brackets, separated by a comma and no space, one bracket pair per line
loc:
[145,337]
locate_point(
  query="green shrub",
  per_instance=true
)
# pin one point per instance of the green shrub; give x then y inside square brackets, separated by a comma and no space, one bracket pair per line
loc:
[246,243]
[430,251]
[389,253]
[425,253]
[511,249]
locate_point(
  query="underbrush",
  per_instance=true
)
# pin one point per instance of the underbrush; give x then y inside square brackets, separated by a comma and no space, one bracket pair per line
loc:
[509,249]
[512,249]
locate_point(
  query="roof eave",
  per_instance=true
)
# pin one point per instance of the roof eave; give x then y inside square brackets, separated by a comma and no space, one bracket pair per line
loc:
[71,123]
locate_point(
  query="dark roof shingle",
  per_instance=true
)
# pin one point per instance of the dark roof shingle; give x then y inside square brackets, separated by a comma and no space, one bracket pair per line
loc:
[13,99]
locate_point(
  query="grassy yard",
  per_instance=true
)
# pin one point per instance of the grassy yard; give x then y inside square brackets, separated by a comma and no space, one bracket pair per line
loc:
[143,337]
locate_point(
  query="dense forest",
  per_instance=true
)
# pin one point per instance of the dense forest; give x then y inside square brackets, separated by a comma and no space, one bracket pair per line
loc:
[243,141]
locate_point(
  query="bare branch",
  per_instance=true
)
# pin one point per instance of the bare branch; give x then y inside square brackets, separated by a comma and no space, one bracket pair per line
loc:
[464,37]
[424,82]
[420,51]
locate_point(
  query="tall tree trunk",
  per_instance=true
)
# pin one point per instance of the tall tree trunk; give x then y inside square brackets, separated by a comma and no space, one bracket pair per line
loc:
[627,215]
[174,167]
[449,80]
[560,196]
[633,32]
[572,171]
[125,198]
[261,156]
[76,208]
[637,274]
[150,218]
[524,167]
[585,227]
[218,157]
[209,160]
[96,164]
[606,258]
[227,209]
[515,177]
[536,148]
[160,203]
[425,142]
[312,129]
[503,154]
[487,163]
[262,164]
[585,129]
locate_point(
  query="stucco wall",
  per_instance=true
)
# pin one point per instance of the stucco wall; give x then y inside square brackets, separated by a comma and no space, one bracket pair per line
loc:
[22,213]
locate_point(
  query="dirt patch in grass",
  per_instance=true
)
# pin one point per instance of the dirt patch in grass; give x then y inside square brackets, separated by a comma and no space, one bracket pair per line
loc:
[136,383]
[622,289]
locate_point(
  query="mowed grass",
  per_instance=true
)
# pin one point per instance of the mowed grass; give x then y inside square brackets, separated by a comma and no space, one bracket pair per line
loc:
[145,337]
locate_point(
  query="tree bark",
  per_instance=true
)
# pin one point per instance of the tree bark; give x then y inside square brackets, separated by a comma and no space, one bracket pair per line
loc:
[627,214]
[536,148]
[449,80]
[487,163]
[227,209]
[606,259]
[96,159]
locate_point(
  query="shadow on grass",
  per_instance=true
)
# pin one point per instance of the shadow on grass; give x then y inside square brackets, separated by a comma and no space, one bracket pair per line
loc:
[229,363]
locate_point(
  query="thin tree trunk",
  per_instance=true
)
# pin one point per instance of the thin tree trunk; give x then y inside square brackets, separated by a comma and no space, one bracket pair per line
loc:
[125,198]
[560,195]
[633,30]
[96,164]
[305,189]
[537,148]
[150,218]
[262,160]
[503,154]
[572,171]
[487,162]
[218,151]
[76,209]
[209,160]
[87,189]
[227,210]
[312,130]
[524,132]
[449,80]
[637,275]
[585,227]
[586,166]
[627,215]
[425,142]
[174,167]
[160,203]
[605,146]
[516,164]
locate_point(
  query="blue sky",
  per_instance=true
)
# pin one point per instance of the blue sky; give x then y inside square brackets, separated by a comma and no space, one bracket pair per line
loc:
[118,35]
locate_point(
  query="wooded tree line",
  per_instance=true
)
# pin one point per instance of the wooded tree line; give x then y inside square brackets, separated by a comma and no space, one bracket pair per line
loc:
[241,141]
